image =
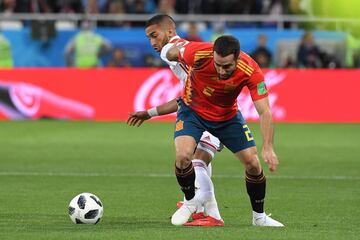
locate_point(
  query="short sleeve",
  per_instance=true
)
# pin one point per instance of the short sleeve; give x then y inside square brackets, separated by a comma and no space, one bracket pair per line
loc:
[257,87]
[174,66]
[163,53]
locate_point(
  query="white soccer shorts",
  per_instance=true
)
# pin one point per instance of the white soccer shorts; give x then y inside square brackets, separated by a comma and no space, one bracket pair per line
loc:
[210,144]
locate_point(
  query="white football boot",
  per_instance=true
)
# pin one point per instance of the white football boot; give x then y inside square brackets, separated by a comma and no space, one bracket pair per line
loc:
[183,214]
[263,220]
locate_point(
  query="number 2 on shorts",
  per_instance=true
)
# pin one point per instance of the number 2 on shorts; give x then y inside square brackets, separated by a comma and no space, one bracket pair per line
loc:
[248,133]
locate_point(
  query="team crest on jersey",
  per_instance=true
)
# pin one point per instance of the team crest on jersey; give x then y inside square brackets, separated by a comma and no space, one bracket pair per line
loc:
[179,126]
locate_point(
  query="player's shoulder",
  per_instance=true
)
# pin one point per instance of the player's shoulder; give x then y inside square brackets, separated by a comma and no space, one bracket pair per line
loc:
[201,46]
[247,60]
[176,39]
[199,50]
[247,65]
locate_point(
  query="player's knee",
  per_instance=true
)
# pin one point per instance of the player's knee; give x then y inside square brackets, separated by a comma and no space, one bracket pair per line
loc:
[252,165]
[251,161]
[253,169]
[183,159]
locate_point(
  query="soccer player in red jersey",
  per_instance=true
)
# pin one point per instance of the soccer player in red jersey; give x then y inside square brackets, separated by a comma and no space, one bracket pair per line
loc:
[217,74]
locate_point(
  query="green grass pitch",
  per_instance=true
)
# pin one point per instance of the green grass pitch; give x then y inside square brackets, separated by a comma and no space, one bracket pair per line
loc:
[43,164]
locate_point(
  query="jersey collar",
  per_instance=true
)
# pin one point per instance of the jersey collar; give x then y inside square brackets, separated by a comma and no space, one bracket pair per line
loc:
[174,38]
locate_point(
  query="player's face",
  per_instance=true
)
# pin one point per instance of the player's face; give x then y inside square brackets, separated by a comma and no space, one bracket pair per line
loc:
[225,66]
[157,37]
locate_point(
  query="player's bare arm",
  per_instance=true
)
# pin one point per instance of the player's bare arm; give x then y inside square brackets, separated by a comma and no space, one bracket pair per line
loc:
[173,53]
[137,118]
[267,130]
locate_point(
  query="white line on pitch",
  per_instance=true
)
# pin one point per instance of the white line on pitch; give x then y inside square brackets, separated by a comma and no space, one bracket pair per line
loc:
[154,175]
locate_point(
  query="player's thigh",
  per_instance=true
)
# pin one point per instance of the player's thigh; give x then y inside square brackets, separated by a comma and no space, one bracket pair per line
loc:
[202,155]
[185,146]
[187,123]
[187,133]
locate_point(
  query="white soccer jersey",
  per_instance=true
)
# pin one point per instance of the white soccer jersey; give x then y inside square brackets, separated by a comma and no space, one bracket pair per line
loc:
[177,68]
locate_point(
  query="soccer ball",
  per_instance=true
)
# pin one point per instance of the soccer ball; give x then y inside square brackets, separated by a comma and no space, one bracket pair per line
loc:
[85,208]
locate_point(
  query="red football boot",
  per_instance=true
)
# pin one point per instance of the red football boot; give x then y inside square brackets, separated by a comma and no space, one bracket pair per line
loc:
[179,204]
[197,216]
[206,222]
[194,216]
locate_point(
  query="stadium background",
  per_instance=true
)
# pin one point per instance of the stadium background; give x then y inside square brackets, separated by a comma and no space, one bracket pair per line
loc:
[45,163]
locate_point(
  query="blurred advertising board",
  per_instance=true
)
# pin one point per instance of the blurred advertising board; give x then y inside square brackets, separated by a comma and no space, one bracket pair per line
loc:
[110,94]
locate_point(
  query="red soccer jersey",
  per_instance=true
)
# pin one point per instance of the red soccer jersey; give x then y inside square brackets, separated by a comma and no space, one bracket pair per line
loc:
[211,98]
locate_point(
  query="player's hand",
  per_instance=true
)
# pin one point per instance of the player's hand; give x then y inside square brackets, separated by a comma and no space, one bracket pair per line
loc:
[270,158]
[137,118]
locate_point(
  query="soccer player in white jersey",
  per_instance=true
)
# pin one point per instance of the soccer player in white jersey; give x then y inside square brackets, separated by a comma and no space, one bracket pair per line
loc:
[161,31]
